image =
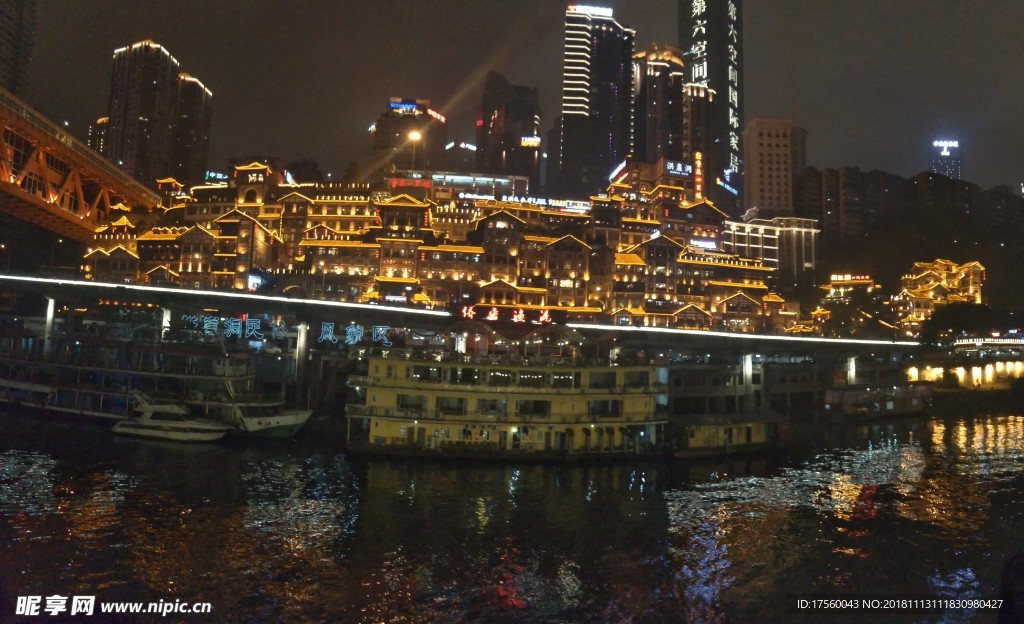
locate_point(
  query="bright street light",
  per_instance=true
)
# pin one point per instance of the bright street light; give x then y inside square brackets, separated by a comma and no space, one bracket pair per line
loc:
[415,137]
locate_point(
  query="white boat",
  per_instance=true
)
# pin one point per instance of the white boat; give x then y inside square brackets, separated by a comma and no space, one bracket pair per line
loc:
[168,421]
[277,423]
[99,384]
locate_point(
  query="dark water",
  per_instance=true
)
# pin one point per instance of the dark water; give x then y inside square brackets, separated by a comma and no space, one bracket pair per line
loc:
[298,532]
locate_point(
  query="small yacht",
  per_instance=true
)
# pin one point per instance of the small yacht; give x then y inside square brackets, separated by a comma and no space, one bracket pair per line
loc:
[168,421]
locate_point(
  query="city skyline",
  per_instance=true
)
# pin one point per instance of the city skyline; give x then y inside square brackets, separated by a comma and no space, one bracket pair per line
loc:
[824,65]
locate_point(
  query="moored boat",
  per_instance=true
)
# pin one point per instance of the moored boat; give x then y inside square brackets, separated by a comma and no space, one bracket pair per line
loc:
[96,380]
[168,421]
[499,406]
[868,401]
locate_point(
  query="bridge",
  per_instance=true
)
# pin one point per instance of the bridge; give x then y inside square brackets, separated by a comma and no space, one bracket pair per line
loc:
[51,179]
[313,312]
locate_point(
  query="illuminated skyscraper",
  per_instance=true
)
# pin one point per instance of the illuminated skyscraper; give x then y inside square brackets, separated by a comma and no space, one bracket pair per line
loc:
[945,158]
[597,99]
[97,138]
[17,33]
[191,130]
[711,37]
[660,81]
[158,117]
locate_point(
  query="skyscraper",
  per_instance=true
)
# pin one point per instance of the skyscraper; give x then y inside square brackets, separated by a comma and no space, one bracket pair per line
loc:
[775,153]
[408,135]
[158,117]
[660,80]
[597,99]
[143,88]
[508,129]
[945,158]
[97,138]
[711,36]
[17,34]
[191,130]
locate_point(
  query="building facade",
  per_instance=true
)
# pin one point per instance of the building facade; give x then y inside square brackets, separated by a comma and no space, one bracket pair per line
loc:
[17,37]
[711,36]
[775,153]
[193,110]
[597,99]
[789,244]
[508,130]
[647,258]
[408,135]
[659,82]
[945,158]
[156,113]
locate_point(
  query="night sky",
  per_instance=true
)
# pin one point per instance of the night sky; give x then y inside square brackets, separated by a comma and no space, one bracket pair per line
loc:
[873,81]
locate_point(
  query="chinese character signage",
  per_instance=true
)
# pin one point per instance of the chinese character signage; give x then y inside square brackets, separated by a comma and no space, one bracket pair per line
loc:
[698,176]
[495,314]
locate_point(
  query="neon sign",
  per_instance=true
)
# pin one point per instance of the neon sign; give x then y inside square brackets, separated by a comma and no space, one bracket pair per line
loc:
[698,176]
[945,145]
[674,167]
[529,141]
[404,108]
[495,314]
[436,115]
[589,10]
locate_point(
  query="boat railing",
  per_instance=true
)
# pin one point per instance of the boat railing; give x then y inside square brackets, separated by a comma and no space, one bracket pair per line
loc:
[503,388]
[499,417]
[509,359]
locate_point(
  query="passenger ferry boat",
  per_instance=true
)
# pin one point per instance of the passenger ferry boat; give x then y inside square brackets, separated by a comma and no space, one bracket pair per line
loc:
[455,404]
[168,421]
[865,402]
[96,378]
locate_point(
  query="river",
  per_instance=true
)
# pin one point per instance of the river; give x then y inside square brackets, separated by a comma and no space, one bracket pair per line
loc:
[299,532]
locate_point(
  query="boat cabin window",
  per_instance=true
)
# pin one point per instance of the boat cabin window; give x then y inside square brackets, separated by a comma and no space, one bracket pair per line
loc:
[602,380]
[565,380]
[500,378]
[532,380]
[451,406]
[491,407]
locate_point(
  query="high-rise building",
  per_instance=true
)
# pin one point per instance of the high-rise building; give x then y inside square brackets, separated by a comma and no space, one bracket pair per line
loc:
[17,34]
[659,81]
[408,135]
[775,153]
[191,130]
[508,129]
[156,115]
[97,138]
[945,158]
[597,99]
[698,135]
[711,37]
[143,88]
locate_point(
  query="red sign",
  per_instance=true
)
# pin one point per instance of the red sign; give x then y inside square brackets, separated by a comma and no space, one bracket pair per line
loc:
[698,176]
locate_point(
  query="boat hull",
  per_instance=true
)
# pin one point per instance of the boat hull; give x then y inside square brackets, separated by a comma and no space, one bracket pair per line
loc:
[192,433]
[279,426]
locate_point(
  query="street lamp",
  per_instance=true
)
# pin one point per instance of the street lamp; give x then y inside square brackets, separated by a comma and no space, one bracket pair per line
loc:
[323,279]
[3,248]
[53,247]
[415,137]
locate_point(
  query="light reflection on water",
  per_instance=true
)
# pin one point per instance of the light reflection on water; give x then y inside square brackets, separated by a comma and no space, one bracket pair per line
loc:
[298,532]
